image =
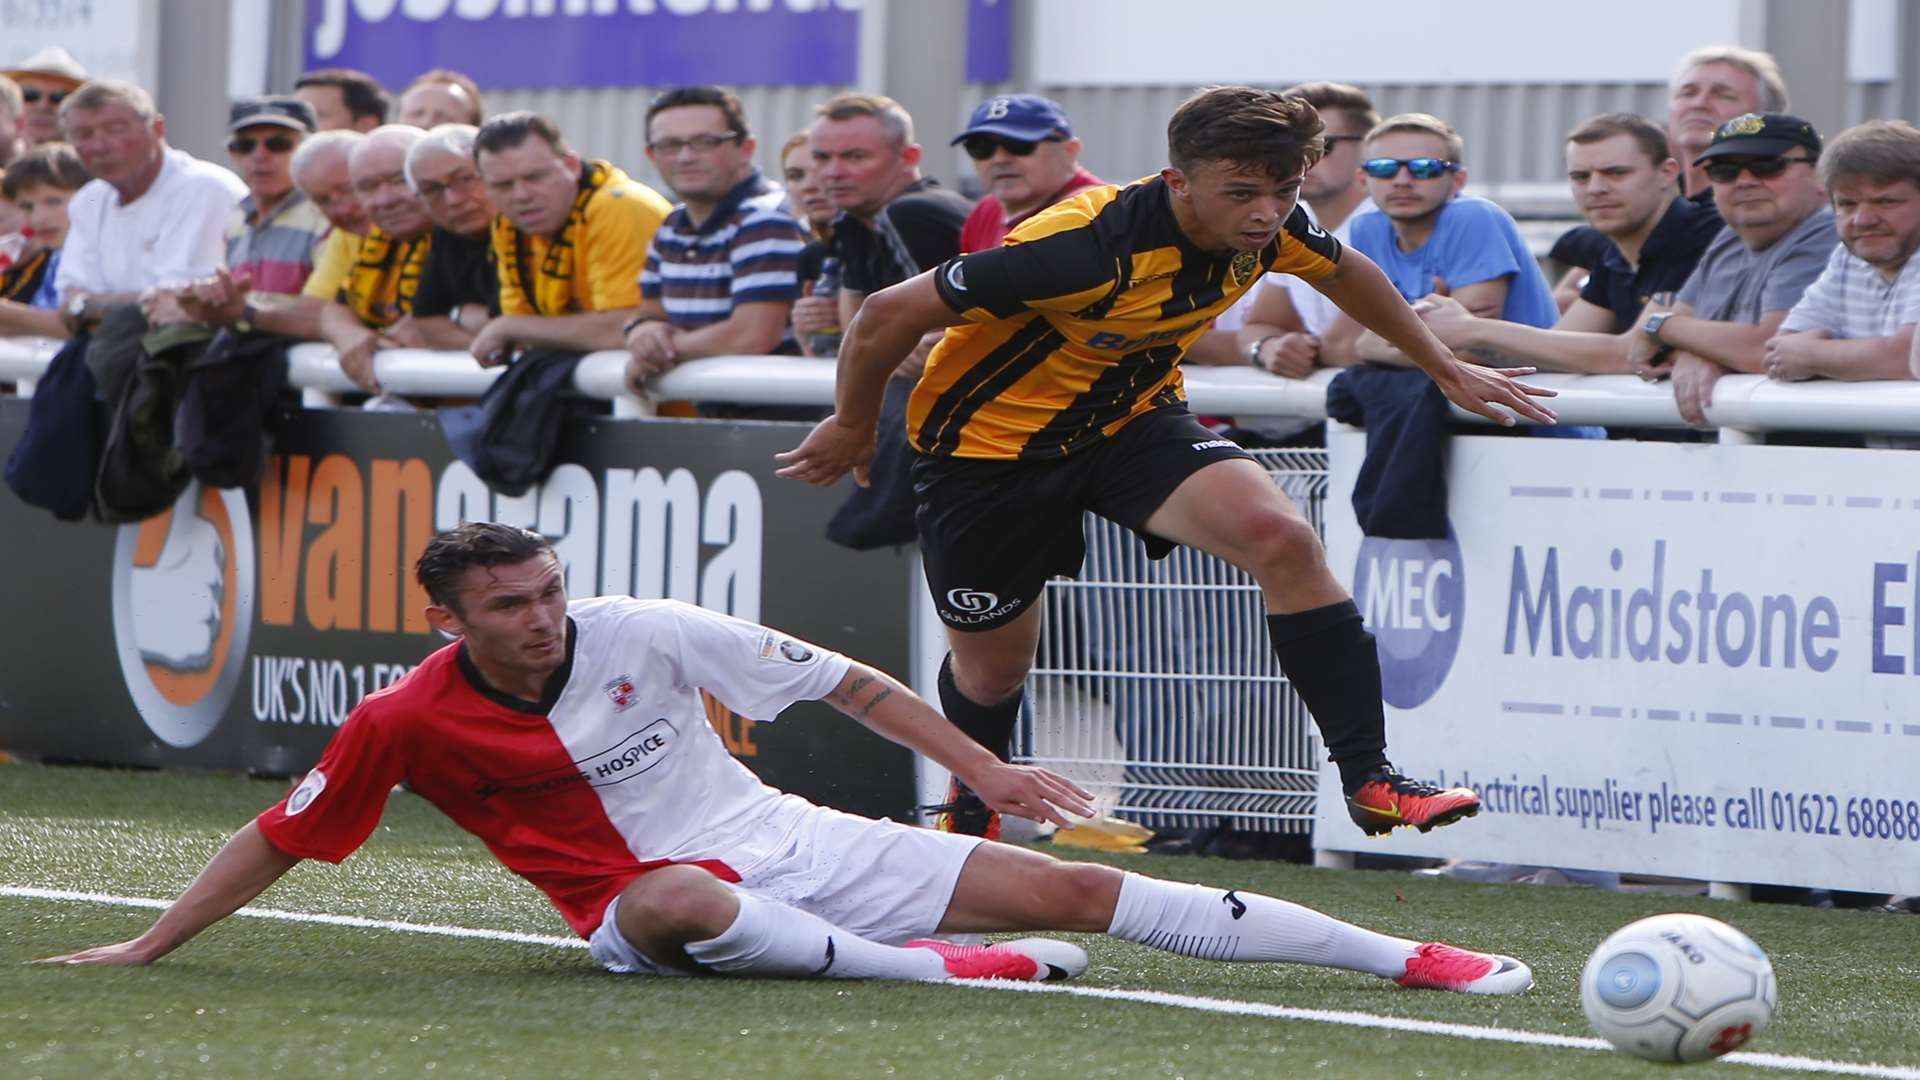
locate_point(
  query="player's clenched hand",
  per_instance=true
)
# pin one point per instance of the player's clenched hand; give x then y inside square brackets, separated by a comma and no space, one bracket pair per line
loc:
[126,954]
[828,451]
[1491,392]
[1031,792]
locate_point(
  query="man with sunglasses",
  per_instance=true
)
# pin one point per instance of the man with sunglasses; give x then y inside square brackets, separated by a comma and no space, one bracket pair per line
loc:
[1779,233]
[723,272]
[45,79]
[1623,179]
[1057,390]
[1429,239]
[1026,156]
[1857,319]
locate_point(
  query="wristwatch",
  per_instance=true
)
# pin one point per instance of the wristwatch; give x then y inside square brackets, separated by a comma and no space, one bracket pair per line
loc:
[1652,329]
[1253,354]
[76,313]
[244,324]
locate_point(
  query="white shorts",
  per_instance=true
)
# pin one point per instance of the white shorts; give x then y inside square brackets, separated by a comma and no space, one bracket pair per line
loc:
[884,881]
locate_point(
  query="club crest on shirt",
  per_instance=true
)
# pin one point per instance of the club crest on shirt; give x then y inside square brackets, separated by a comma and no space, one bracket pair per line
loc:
[309,790]
[620,690]
[1244,267]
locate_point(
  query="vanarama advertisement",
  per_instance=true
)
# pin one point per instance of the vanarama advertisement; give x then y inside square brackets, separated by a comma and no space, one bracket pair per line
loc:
[1688,660]
[239,629]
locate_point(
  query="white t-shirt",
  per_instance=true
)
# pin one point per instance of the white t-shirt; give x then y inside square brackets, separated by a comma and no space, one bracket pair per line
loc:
[175,231]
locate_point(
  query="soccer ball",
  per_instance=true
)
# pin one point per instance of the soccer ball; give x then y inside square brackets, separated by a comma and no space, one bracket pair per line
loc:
[1678,988]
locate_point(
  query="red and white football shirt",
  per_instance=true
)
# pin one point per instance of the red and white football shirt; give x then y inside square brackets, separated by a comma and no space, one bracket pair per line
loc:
[618,771]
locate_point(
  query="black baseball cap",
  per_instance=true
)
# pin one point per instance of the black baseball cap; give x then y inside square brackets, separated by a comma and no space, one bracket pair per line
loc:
[280,110]
[1761,135]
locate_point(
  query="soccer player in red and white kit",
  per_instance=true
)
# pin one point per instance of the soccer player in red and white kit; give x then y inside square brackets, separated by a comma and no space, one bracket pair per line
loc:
[572,740]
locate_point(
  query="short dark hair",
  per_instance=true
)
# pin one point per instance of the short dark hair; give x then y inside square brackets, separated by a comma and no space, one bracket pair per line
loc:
[450,77]
[894,118]
[53,164]
[360,92]
[682,96]
[508,130]
[1341,97]
[1652,140]
[1268,130]
[448,554]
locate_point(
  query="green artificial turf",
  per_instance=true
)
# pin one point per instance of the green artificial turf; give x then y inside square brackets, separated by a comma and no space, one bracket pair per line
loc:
[261,998]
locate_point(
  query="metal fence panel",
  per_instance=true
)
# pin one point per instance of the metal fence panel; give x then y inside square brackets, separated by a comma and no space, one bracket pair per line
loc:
[1156,687]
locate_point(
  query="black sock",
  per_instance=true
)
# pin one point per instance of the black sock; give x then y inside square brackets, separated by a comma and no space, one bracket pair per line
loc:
[989,725]
[1330,658]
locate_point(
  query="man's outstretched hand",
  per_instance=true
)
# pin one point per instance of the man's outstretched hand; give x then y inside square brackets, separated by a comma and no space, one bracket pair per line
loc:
[125,954]
[828,452]
[1034,793]
[1491,392]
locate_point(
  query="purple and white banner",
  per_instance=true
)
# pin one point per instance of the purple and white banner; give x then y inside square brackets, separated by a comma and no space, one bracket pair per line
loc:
[543,44]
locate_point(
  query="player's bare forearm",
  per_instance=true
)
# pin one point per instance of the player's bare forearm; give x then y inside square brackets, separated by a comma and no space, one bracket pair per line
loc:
[1511,344]
[1358,288]
[240,871]
[883,704]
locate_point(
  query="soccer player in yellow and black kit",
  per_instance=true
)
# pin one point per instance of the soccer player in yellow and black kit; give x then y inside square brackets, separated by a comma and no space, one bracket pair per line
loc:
[1058,391]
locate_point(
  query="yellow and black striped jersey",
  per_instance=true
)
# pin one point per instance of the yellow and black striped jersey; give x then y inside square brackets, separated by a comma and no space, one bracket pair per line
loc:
[1078,323]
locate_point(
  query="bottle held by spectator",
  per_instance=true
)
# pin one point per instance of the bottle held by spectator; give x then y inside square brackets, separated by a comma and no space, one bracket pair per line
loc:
[826,341]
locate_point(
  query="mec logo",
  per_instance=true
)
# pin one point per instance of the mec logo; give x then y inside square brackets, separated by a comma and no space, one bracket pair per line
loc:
[1412,594]
[183,611]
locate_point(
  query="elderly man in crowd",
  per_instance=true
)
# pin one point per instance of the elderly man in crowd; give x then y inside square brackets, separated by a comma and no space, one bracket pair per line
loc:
[722,272]
[153,215]
[1779,234]
[344,99]
[570,240]
[378,287]
[459,286]
[1623,180]
[1856,321]
[1025,153]
[45,79]
[440,97]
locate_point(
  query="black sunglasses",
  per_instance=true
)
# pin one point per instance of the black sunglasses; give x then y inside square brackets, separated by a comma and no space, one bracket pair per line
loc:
[1421,168]
[276,144]
[1726,172]
[32,94]
[982,147]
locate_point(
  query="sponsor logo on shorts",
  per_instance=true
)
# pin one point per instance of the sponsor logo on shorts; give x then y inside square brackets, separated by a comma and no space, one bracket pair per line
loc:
[309,790]
[974,607]
[957,277]
[621,691]
[1216,444]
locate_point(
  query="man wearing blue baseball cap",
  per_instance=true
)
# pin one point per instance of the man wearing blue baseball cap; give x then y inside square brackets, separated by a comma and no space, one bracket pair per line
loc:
[1023,148]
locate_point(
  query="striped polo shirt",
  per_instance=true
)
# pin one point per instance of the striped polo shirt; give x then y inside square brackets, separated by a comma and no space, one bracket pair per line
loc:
[277,251]
[747,251]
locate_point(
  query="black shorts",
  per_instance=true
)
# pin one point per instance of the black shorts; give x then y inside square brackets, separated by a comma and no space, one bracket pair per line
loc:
[993,532]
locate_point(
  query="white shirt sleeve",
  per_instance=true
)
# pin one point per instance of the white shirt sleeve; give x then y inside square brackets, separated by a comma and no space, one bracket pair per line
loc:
[755,671]
[80,252]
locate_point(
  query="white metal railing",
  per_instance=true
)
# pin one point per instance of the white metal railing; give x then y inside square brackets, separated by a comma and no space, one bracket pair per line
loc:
[1742,403]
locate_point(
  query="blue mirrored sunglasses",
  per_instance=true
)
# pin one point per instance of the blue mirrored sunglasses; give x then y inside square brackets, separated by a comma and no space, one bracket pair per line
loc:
[1422,168]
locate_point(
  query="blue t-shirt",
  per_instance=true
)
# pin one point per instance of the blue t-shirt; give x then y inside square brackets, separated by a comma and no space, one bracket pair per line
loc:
[1474,240]
[47,298]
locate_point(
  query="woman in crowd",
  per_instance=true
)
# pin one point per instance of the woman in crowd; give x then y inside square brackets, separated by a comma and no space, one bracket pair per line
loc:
[812,314]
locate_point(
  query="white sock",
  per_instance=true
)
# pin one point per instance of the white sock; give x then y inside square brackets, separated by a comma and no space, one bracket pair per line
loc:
[1217,924]
[769,938]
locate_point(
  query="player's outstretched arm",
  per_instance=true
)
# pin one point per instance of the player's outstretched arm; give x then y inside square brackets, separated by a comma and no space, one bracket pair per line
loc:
[888,326]
[882,703]
[1364,293]
[239,872]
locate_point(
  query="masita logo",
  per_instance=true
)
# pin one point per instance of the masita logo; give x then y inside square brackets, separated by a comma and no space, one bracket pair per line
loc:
[1413,596]
[183,610]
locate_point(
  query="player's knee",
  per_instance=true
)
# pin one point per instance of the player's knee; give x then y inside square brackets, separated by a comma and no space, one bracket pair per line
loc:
[1085,895]
[1282,545]
[678,904]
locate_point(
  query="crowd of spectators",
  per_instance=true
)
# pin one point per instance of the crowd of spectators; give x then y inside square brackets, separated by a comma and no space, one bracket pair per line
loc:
[1732,237]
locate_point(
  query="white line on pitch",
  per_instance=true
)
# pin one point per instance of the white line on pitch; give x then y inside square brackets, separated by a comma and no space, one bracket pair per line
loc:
[1789,1063]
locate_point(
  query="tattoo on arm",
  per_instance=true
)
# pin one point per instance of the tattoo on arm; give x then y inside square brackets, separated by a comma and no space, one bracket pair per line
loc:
[867,709]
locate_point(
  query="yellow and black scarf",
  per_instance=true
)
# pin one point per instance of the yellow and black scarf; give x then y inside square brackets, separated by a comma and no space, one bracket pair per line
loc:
[549,288]
[381,285]
[21,280]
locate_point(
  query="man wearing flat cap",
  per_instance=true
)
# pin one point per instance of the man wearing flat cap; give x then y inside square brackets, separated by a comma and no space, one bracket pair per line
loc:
[1024,151]
[45,79]
[1760,168]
